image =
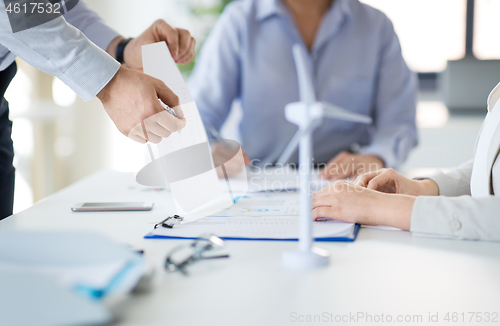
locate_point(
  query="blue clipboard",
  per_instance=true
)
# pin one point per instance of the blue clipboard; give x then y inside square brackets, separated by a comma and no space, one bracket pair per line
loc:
[339,239]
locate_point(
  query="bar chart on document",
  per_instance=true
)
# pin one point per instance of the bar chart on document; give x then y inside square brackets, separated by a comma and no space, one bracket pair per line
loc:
[264,205]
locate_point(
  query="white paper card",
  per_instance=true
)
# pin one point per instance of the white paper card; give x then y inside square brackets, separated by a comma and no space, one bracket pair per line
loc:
[189,168]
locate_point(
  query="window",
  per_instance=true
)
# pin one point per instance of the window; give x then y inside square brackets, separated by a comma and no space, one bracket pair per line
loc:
[486,27]
[430,31]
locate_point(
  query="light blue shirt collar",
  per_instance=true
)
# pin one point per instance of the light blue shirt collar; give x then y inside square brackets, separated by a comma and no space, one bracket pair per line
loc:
[338,13]
[333,19]
[269,8]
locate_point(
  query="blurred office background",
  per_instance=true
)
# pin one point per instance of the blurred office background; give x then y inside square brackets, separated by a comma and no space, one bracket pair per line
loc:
[60,139]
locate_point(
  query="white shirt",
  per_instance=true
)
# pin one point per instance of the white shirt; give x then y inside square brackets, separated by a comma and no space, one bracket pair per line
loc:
[469,203]
[483,158]
[61,48]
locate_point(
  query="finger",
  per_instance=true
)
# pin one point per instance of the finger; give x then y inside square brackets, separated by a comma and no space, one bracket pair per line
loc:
[329,171]
[155,139]
[137,138]
[189,55]
[178,110]
[343,169]
[380,180]
[331,168]
[167,96]
[354,177]
[323,212]
[246,158]
[148,135]
[363,179]
[138,133]
[153,127]
[184,42]
[222,151]
[141,135]
[321,201]
[168,121]
[170,35]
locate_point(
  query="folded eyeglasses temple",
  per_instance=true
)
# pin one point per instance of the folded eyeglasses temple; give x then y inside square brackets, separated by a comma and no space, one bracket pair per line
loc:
[173,220]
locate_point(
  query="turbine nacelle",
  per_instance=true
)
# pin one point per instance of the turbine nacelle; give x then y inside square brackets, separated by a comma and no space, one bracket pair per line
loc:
[309,116]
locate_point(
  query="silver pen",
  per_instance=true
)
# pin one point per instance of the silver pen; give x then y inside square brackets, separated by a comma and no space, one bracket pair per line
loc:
[169,109]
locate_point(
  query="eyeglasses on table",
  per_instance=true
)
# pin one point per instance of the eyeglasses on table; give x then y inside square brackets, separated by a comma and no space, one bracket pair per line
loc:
[169,222]
[182,256]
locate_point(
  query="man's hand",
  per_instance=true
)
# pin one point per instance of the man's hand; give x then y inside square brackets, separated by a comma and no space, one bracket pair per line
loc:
[131,101]
[180,43]
[346,165]
[390,181]
[346,202]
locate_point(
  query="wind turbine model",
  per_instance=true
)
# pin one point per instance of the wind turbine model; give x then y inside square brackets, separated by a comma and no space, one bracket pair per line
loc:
[307,115]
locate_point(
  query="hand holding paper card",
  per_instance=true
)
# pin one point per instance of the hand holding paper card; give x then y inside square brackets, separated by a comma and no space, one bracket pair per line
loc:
[185,157]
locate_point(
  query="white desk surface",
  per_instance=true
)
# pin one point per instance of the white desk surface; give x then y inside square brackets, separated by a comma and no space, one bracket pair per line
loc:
[386,272]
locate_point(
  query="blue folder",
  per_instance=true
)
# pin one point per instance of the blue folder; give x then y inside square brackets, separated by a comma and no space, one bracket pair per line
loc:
[345,239]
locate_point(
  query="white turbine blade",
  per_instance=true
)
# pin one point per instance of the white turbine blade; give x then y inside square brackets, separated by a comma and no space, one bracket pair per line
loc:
[290,148]
[292,145]
[306,88]
[336,112]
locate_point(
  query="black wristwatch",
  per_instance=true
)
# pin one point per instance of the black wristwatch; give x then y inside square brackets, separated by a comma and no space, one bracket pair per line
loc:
[120,50]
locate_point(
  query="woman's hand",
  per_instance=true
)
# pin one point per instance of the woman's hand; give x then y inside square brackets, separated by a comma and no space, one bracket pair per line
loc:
[390,181]
[347,202]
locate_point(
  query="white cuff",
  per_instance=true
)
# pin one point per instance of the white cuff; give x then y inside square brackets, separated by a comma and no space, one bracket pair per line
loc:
[90,72]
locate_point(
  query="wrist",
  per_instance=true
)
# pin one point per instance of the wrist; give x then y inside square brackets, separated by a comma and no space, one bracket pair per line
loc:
[397,210]
[120,49]
[372,208]
[111,49]
[403,209]
[375,162]
[427,187]
[129,57]
[103,95]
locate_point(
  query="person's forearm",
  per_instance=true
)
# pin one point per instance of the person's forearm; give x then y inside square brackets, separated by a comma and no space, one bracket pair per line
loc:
[393,210]
[428,188]
[91,24]
[59,49]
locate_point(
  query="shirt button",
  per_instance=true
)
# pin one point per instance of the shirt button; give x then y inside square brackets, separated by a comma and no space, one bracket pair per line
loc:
[456,225]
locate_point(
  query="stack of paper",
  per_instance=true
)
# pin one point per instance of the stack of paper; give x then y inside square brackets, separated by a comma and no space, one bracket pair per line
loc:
[28,298]
[78,261]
